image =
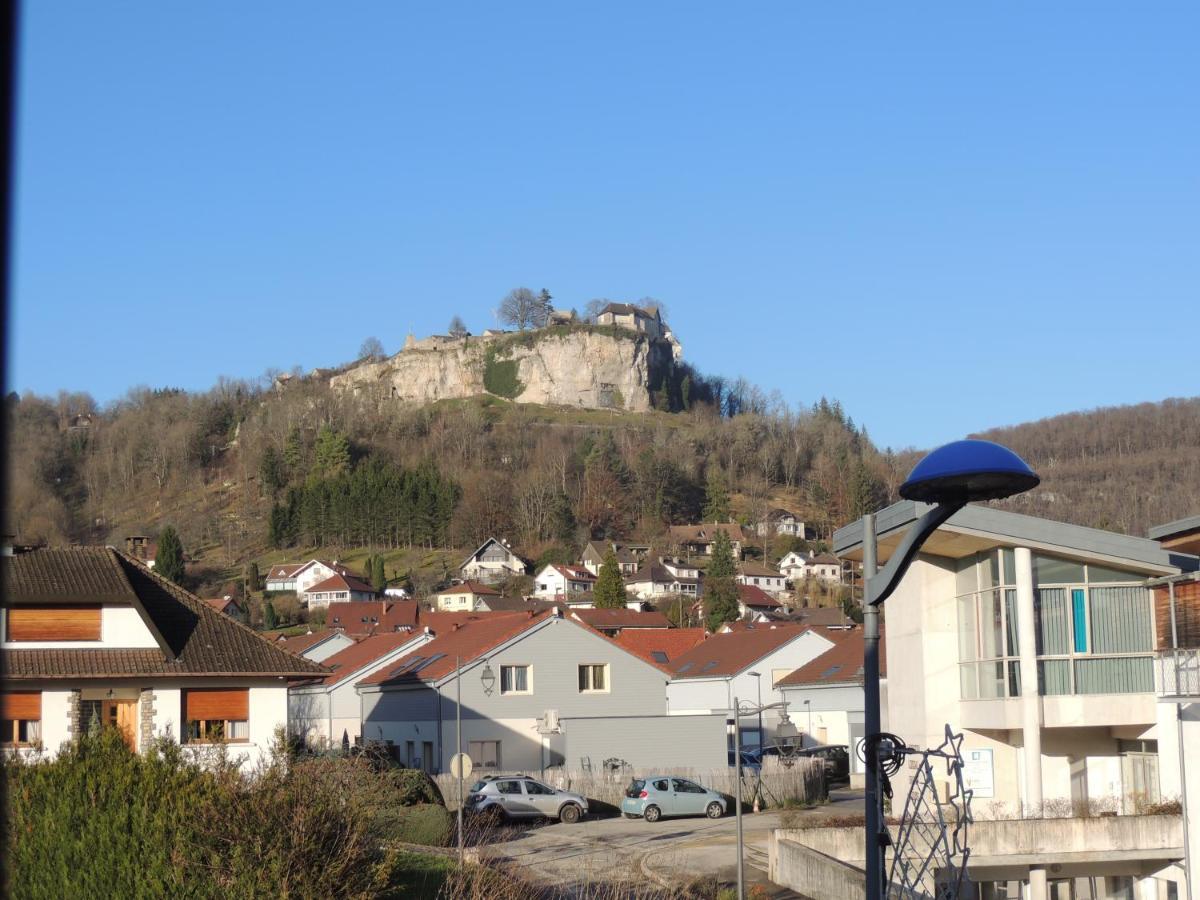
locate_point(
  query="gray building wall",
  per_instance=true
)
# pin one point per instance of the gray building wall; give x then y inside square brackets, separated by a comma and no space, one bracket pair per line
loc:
[648,742]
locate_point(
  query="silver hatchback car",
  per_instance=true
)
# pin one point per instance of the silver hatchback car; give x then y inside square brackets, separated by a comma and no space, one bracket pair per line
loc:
[522,797]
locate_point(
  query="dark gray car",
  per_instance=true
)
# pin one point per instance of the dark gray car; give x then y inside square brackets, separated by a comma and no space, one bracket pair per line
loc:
[522,797]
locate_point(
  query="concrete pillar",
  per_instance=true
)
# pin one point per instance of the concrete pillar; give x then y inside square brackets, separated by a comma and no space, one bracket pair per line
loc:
[1038,890]
[1031,705]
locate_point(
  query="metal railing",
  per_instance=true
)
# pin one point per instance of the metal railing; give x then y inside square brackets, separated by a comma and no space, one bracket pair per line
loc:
[1178,673]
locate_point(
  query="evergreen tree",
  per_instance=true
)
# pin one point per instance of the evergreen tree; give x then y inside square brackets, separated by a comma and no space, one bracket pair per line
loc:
[609,592]
[168,562]
[716,498]
[720,588]
[271,472]
[378,577]
[293,452]
[458,328]
[331,454]
[252,577]
[270,620]
[546,306]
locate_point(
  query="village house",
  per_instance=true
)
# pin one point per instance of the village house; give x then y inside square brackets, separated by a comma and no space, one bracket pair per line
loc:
[680,568]
[492,562]
[469,596]
[92,636]
[792,565]
[824,567]
[745,665]
[226,605]
[698,539]
[755,603]
[316,645]
[780,521]
[660,645]
[633,318]
[1039,641]
[299,577]
[655,580]
[615,622]
[336,589]
[629,556]
[757,575]
[361,618]
[559,582]
[326,710]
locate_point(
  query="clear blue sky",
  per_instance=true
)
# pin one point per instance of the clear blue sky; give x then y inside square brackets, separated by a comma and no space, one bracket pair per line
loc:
[948,217]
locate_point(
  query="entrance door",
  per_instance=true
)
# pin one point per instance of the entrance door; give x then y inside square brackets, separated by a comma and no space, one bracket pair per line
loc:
[122,715]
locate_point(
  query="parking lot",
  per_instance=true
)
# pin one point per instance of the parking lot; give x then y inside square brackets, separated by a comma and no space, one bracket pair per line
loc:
[668,851]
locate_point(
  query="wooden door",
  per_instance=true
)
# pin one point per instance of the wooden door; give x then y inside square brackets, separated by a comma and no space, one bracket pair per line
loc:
[122,714]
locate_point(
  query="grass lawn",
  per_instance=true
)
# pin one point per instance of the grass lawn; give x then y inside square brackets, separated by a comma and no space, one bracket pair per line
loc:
[421,876]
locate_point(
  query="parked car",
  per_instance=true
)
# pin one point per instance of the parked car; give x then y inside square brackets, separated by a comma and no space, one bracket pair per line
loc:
[522,797]
[836,757]
[656,796]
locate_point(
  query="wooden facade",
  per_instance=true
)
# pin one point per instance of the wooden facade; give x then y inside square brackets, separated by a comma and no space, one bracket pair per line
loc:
[1187,615]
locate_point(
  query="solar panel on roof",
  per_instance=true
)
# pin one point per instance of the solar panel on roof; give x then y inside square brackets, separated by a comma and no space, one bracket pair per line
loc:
[429,661]
[684,668]
[709,665]
[832,670]
[659,656]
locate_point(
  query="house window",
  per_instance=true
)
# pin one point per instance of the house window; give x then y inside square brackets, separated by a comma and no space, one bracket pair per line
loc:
[216,715]
[21,715]
[516,680]
[485,754]
[593,678]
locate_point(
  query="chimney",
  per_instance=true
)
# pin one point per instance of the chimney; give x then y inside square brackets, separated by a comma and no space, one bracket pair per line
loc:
[456,626]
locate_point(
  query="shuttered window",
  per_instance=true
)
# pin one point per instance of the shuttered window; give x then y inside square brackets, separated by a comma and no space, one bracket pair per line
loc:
[53,623]
[217,714]
[21,715]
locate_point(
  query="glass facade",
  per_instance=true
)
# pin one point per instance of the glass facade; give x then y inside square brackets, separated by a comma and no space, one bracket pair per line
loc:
[1094,628]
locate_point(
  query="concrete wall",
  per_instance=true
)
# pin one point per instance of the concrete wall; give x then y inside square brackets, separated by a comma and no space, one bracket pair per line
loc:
[810,873]
[648,742]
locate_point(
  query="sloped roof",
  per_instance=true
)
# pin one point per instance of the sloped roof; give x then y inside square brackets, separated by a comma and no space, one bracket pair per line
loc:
[350,659]
[465,641]
[359,617]
[493,540]
[752,595]
[299,643]
[725,654]
[651,571]
[194,639]
[574,573]
[684,533]
[822,615]
[518,604]
[824,559]
[469,587]
[621,618]
[220,604]
[660,646]
[757,569]
[341,583]
[840,664]
[625,309]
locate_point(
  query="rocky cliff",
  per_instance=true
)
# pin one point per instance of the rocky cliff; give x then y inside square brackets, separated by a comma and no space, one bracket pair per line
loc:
[581,366]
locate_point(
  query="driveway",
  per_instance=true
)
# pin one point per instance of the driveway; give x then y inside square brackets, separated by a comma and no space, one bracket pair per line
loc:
[667,851]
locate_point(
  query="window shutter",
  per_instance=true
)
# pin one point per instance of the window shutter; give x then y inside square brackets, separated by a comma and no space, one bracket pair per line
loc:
[53,623]
[25,705]
[216,704]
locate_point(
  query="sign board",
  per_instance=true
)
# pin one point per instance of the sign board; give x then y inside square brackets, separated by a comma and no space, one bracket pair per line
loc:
[977,772]
[461,765]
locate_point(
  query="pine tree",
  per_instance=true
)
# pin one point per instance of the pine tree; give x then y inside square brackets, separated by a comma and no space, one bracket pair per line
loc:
[720,588]
[716,498]
[168,562]
[252,577]
[609,592]
[378,576]
[271,471]
[270,620]
[331,454]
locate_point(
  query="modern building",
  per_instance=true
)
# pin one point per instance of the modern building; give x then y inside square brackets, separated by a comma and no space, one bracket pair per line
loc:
[1037,640]
[91,636]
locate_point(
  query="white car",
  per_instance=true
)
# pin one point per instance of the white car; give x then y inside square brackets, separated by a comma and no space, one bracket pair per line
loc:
[522,797]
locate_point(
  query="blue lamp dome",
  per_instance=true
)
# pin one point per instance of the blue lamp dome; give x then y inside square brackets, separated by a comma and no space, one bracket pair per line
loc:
[968,470]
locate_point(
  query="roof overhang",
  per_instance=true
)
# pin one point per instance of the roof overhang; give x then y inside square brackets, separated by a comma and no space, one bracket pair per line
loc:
[976,527]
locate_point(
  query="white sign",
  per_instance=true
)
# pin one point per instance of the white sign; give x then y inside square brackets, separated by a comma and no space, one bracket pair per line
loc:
[461,761]
[977,772]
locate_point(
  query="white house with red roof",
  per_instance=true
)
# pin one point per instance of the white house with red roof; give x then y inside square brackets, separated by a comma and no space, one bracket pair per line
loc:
[467,596]
[755,603]
[559,582]
[299,577]
[337,588]
[493,561]
[323,711]
[755,574]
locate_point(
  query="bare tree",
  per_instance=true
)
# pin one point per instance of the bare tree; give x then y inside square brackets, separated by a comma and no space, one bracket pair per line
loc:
[592,310]
[458,328]
[372,348]
[522,309]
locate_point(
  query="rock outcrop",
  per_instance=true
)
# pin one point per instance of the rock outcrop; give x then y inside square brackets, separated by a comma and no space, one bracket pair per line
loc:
[580,366]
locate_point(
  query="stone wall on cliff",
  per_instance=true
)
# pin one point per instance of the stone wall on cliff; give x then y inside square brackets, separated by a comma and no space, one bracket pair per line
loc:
[578,366]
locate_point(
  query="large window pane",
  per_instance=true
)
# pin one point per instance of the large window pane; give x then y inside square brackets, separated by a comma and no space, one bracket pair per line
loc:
[1079,620]
[1053,622]
[1100,573]
[966,628]
[991,680]
[966,579]
[1054,677]
[1123,675]
[1120,620]
[968,677]
[1008,566]
[1011,643]
[1049,570]
[991,637]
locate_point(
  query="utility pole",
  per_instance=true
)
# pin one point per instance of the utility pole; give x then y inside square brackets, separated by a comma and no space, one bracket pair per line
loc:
[874,810]
[458,741]
[737,794]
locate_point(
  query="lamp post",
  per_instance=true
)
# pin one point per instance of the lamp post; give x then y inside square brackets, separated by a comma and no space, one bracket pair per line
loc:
[740,709]
[950,477]
[758,682]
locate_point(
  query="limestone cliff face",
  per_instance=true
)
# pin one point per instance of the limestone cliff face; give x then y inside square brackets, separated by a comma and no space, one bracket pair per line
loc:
[581,367]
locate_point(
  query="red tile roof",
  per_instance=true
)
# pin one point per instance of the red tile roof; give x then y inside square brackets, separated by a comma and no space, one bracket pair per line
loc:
[346,662]
[467,642]
[341,583]
[221,604]
[670,642]
[839,664]
[727,653]
[752,595]
[300,642]
[621,618]
[362,617]
[757,569]
[575,573]
[470,587]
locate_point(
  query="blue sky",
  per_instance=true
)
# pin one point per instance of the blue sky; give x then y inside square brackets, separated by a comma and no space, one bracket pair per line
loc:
[948,217]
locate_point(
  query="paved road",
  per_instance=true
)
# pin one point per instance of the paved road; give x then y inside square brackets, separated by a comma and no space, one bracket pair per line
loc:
[670,850]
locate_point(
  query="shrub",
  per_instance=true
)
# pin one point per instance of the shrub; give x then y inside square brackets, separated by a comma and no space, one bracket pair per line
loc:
[500,376]
[426,823]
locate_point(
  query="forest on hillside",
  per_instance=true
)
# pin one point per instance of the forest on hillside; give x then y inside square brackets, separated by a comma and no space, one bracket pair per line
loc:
[1120,468]
[246,466]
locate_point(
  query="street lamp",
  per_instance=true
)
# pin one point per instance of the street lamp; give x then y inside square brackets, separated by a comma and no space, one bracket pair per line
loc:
[950,477]
[758,681]
[740,709]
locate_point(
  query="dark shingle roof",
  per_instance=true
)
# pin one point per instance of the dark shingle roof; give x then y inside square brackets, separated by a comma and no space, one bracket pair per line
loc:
[193,638]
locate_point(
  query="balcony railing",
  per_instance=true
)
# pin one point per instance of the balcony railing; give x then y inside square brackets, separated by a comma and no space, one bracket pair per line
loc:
[1178,673]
